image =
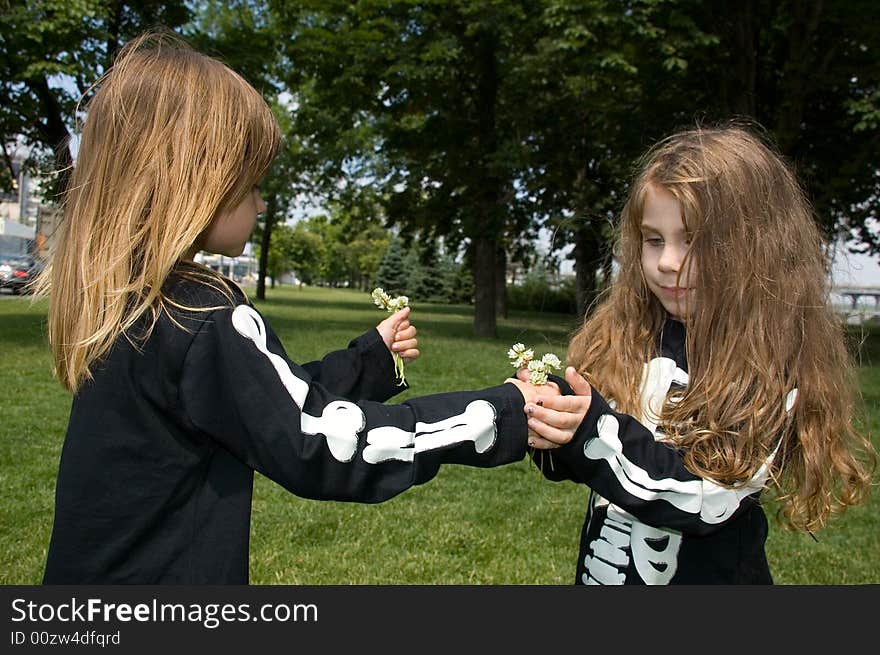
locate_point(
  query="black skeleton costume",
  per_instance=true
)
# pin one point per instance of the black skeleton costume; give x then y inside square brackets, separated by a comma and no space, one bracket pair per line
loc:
[156,473]
[650,520]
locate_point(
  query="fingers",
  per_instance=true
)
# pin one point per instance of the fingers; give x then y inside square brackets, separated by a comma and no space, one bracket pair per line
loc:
[409,355]
[563,420]
[400,315]
[394,322]
[567,404]
[578,384]
[405,342]
[405,332]
[549,433]
[523,375]
[401,347]
[536,441]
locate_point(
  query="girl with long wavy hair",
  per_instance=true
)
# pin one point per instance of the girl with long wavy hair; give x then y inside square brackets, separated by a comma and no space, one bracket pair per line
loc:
[181,390]
[712,369]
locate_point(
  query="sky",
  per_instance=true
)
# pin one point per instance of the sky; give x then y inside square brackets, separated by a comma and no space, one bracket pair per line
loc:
[856,270]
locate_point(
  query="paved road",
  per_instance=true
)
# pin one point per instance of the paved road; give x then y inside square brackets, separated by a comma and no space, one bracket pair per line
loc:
[6,293]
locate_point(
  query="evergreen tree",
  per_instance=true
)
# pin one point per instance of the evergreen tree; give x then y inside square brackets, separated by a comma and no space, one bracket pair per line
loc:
[393,275]
[428,283]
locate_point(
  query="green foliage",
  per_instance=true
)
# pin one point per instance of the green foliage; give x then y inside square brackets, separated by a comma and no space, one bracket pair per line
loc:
[393,275]
[296,249]
[538,293]
[45,42]
[467,526]
[428,282]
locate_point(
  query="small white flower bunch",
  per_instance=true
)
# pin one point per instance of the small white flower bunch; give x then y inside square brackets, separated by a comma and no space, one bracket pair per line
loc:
[539,369]
[383,301]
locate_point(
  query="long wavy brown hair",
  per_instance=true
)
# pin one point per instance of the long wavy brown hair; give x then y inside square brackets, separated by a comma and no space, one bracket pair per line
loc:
[762,326]
[172,138]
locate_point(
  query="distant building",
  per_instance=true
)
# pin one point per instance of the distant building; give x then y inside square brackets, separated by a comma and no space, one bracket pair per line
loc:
[244,268]
[27,221]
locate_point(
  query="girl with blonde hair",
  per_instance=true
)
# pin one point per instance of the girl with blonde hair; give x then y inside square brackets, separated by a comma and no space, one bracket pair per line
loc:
[180,388]
[713,369]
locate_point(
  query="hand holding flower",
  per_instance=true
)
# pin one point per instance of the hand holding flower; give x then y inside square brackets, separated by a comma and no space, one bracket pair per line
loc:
[403,347]
[400,336]
[532,395]
[554,419]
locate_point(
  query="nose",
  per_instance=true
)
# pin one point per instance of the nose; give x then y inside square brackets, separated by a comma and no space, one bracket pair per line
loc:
[670,259]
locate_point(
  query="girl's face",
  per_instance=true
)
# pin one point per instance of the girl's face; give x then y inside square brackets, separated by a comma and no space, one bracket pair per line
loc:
[230,231]
[665,242]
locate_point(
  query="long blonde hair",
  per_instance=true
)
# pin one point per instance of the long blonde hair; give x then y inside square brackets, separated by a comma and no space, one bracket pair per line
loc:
[762,326]
[172,138]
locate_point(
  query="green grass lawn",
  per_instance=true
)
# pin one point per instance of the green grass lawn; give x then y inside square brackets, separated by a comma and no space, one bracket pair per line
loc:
[467,526]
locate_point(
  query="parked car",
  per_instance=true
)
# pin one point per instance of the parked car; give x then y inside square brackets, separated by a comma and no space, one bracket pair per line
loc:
[17,272]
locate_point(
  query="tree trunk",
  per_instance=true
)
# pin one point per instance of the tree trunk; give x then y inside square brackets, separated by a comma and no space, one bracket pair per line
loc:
[54,133]
[488,221]
[501,283]
[587,261]
[798,68]
[741,84]
[264,248]
[484,286]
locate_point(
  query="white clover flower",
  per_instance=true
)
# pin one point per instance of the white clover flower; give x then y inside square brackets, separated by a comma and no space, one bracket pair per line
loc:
[538,378]
[537,373]
[398,303]
[522,357]
[380,298]
[384,301]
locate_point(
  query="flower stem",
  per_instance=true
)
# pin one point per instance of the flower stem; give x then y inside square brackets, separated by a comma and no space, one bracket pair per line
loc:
[398,370]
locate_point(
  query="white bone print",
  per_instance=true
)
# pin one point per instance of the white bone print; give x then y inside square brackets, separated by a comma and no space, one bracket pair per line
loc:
[622,537]
[476,424]
[340,421]
[655,552]
[249,324]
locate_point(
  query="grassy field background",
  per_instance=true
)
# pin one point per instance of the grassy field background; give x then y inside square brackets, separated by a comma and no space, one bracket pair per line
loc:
[467,526]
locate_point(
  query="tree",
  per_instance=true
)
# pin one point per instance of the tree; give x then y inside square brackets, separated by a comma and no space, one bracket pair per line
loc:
[428,284]
[305,251]
[51,52]
[365,255]
[481,121]
[393,275]
[415,94]
[809,72]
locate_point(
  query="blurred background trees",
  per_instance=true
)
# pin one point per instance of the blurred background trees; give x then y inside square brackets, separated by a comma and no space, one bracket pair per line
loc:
[485,140]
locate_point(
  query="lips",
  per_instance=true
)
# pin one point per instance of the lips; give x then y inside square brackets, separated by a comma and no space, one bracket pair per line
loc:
[675,292]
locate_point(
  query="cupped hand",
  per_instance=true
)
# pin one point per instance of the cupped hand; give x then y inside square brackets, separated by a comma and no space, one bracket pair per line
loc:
[399,335]
[553,418]
[531,394]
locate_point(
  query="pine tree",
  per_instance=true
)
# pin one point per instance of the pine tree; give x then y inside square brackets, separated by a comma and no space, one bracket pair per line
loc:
[428,282]
[393,275]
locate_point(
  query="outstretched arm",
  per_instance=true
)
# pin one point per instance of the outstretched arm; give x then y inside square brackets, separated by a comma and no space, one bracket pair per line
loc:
[240,390]
[618,457]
